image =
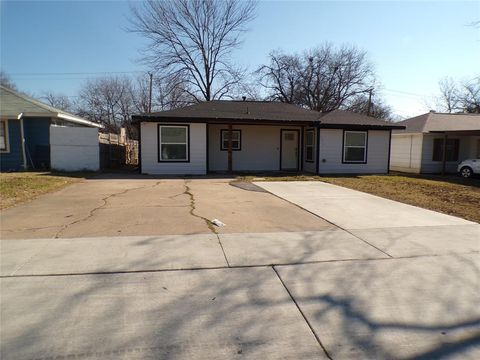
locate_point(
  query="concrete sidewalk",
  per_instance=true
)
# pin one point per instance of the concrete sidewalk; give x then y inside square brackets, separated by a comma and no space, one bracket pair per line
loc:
[176,252]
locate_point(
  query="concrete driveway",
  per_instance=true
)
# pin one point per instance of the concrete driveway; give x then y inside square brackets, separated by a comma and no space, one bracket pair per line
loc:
[146,206]
[278,282]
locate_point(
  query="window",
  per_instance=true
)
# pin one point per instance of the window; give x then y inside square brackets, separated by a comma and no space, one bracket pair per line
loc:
[453,146]
[236,140]
[309,145]
[173,143]
[355,147]
[3,136]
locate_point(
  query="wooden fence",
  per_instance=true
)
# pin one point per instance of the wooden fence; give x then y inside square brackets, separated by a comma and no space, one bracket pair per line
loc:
[116,151]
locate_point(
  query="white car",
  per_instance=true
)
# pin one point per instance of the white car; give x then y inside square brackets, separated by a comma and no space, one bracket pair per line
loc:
[469,167]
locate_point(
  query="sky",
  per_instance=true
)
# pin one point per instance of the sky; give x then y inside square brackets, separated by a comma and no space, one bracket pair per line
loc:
[55,46]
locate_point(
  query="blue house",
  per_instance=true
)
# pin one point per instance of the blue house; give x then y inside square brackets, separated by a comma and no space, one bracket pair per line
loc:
[25,130]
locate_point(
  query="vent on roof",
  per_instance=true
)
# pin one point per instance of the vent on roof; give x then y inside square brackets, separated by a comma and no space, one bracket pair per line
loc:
[432,111]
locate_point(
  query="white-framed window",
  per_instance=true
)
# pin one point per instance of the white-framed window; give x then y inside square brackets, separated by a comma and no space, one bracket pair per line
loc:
[173,143]
[355,147]
[310,145]
[236,140]
[4,136]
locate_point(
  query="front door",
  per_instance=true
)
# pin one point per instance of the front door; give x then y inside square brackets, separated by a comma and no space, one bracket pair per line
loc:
[289,150]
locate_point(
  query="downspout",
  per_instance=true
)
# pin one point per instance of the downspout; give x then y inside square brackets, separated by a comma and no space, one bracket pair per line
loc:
[22,138]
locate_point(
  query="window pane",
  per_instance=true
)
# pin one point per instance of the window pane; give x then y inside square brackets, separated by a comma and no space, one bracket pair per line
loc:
[309,138]
[437,150]
[174,135]
[309,153]
[2,136]
[174,152]
[355,139]
[354,154]
[235,144]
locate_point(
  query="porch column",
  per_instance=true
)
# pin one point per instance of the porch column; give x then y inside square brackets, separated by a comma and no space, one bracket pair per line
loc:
[444,155]
[230,160]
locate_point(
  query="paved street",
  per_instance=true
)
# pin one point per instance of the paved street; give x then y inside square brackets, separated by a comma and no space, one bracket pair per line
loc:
[379,291]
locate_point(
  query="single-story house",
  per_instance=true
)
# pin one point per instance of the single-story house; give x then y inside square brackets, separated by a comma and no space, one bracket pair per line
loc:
[225,136]
[34,135]
[420,147]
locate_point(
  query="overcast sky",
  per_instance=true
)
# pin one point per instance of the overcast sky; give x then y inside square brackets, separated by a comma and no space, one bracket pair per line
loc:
[412,44]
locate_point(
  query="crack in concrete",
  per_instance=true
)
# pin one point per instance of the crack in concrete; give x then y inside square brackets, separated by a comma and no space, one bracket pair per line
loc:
[210,225]
[91,213]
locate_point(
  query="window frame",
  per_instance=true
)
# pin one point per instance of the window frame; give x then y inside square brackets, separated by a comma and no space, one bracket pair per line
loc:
[456,150]
[4,123]
[159,143]
[223,131]
[344,146]
[312,160]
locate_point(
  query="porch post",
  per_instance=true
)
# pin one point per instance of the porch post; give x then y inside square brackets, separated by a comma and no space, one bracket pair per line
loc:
[230,160]
[444,155]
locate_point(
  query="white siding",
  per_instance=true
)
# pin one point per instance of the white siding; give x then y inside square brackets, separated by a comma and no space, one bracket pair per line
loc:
[406,153]
[331,143]
[430,166]
[260,148]
[74,148]
[149,152]
[311,166]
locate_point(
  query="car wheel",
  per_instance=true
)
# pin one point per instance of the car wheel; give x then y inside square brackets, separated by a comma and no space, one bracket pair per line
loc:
[466,172]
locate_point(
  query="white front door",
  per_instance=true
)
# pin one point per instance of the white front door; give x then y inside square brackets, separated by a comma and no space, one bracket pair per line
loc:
[289,150]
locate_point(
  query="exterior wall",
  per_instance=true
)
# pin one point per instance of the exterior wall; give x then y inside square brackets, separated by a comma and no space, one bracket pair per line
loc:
[197,164]
[74,148]
[331,152]
[466,151]
[260,148]
[310,167]
[13,159]
[37,141]
[406,152]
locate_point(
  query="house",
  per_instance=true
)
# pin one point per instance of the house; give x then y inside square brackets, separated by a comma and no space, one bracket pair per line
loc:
[35,136]
[225,136]
[419,148]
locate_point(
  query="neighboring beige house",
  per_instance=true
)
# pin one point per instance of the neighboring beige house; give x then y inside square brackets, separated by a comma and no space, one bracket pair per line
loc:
[419,148]
[224,136]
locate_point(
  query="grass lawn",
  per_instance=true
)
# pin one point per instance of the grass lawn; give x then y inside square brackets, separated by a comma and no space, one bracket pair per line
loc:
[22,186]
[446,194]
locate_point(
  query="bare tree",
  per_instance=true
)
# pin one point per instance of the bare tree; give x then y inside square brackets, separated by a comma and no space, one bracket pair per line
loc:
[193,40]
[58,101]
[6,81]
[322,79]
[282,77]
[469,95]
[448,95]
[377,109]
[459,96]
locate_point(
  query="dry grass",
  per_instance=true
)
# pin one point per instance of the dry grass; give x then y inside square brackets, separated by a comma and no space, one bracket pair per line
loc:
[447,194]
[23,186]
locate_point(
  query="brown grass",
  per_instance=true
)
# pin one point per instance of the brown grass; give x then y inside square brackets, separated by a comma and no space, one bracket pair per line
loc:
[23,186]
[446,194]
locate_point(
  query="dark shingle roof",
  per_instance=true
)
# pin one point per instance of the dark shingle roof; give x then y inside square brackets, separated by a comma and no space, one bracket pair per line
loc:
[262,112]
[433,122]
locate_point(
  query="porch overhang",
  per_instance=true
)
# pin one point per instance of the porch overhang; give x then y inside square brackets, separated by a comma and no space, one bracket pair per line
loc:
[264,121]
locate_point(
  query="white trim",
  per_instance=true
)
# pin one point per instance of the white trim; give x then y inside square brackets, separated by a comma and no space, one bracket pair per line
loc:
[364,147]
[78,120]
[7,138]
